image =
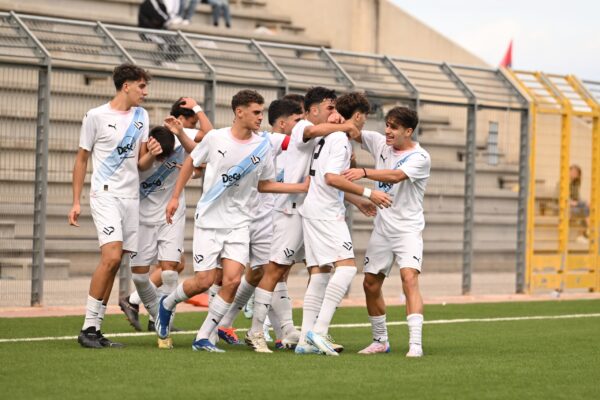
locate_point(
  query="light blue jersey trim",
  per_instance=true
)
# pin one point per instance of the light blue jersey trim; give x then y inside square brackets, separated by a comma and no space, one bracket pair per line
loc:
[161,174]
[246,166]
[111,164]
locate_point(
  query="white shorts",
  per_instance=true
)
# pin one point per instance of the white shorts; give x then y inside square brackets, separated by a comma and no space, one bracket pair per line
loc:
[326,242]
[212,244]
[407,249]
[160,242]
[261,237]
[116,220]
[287,247]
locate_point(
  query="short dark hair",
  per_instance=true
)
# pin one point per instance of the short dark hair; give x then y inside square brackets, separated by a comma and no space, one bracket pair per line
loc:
[349,103]
[403,116]
[315,95]
[245,98]
[165,138]
[297,98]
[283,108]
[177,110]
[129,72]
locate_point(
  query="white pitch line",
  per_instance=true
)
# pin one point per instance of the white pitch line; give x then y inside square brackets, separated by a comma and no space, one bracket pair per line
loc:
[340,326]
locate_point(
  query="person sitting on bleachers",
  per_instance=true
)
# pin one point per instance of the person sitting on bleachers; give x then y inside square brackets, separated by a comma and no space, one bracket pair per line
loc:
[580,210]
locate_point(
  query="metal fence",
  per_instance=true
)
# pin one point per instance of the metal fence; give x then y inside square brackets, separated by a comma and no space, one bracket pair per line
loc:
[53,70]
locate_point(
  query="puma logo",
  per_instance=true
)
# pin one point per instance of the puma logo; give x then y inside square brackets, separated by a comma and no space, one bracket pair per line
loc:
[416,258]
[222,152]
[114,126]
[382,157]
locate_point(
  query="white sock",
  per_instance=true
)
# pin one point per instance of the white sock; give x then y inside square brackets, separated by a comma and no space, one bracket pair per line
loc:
[217,309]
[134,298]
[274,323]
[379,328]
[313,298]
[242,295]
[147,292]
[92,309]
[415,329]
[262,304]
[177,296]
[212,292]
[336,290]
[169,282]
[282,308]
[100,319]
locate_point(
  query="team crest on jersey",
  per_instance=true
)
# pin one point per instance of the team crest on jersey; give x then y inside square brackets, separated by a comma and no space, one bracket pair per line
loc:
[108,230]
[170,164]
[347,245]
[232,177]
[198,258]
[138,125]
[288,252]
[366,260]
[255,159]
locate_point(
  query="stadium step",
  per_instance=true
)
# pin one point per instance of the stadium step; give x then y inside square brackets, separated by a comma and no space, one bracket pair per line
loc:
[20,268]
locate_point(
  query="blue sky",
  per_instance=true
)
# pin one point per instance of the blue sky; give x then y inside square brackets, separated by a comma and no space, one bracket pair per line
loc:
[552,36]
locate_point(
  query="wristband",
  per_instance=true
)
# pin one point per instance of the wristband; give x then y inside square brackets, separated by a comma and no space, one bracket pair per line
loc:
[366,193]
[197,109]
[365,171]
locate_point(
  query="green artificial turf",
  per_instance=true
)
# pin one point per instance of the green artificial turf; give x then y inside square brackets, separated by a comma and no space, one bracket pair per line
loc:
[527,359]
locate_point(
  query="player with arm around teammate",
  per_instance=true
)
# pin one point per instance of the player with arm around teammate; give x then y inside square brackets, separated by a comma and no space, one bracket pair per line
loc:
[402,168]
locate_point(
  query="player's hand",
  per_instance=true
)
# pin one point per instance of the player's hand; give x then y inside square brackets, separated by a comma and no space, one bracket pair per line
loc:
[171,209]
[188,102]
[380,199]
[336,118]
[352,131]
[74,215]
[306,184]
[174,125]
[367,208]
[154,147]
[353,174]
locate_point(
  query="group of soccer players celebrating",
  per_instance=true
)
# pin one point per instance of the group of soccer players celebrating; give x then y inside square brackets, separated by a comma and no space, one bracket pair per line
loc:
[269,200]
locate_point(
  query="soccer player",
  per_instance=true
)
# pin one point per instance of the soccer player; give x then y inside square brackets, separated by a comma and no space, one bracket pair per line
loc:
[327,238]
[288,242]
[283,116]
[116,134]
[401,169]
[238,162]
[159,241]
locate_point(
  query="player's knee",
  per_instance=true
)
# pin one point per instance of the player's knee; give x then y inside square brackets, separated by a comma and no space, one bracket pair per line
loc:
[231,283]
[111,262]
[410,280]
[370,286]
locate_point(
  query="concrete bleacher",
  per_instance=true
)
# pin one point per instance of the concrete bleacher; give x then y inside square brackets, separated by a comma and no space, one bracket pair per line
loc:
[247,15]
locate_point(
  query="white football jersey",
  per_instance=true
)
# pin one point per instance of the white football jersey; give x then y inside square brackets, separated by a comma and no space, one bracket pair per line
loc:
[263,203]
[157,184]
[298,156]
[406,213]
[233,169]
[331,155]
[114,139]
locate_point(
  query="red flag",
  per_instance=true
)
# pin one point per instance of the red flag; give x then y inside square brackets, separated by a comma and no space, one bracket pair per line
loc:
[507,59]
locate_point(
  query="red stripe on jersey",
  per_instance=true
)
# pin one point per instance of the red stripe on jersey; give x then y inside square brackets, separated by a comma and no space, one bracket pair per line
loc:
[284,144]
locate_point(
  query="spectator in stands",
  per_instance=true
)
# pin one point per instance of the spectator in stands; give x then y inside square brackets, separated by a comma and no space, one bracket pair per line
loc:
[220,7]
[580,210]
[187,12]
[159,14]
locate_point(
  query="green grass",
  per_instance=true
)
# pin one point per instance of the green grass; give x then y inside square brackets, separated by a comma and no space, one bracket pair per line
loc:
[533,359]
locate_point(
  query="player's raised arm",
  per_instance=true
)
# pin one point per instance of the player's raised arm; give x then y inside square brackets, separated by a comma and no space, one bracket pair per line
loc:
[327,128]
[176,128]
[205,124]
[79,170]
[148,153]
[184,176]
[379,175]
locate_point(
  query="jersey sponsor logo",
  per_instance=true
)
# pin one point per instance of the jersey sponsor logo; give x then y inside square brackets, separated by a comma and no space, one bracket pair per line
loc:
[125,149]
[154,182]
[108,230]
[288,252]
[114,126]
[138,125]
[243,168]
[347,245]
[385,187]
[150,186]
[222,152]
[232,177]
[198,258]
